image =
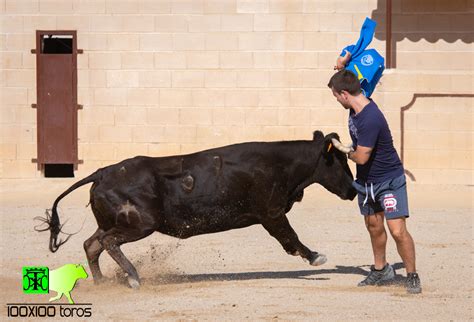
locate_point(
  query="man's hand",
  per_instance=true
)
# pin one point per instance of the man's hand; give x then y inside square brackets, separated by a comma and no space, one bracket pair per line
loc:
[342,61]
[361,155]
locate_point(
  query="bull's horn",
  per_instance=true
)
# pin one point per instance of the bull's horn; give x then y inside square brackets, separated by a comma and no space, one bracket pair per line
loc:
[341,147]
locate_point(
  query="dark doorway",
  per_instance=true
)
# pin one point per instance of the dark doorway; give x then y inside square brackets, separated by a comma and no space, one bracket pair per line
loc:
[59,170]
[56,44]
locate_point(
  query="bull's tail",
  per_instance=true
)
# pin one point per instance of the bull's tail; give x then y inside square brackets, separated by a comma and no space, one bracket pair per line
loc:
[52,219]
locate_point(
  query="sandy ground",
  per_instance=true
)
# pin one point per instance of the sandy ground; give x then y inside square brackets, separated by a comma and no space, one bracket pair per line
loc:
[245,274]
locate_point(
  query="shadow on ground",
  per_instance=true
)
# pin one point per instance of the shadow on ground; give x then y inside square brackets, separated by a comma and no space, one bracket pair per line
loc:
[302,274]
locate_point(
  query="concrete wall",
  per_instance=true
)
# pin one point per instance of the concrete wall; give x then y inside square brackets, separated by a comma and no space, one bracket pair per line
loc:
[169,77]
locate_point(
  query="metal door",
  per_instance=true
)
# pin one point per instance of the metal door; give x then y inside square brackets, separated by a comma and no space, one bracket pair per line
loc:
[56,86]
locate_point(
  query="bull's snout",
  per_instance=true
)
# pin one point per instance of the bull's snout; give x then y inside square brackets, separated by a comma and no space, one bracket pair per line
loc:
[351,194]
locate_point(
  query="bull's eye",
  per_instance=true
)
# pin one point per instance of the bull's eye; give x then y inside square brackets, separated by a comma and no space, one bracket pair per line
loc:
[329,160]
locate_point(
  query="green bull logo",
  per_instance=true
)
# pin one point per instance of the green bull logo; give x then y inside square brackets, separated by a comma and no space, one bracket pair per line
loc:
[39,280]
[63,280]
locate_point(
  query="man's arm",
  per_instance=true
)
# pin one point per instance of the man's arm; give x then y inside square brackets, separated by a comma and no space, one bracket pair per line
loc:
[361,155]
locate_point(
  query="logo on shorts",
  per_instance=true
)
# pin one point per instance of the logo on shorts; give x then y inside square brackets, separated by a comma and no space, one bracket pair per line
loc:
[389,203]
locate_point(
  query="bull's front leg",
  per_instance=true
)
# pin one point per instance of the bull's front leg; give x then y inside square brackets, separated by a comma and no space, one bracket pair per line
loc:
[281,229]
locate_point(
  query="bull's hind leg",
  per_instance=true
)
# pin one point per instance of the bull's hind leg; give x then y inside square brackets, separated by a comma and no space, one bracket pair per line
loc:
[111,241]
[281,229]
[93,249]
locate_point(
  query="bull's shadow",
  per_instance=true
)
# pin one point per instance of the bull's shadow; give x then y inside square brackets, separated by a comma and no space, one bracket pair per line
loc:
[311,275]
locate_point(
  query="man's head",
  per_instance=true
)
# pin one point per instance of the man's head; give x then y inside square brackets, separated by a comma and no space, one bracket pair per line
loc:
[344,85]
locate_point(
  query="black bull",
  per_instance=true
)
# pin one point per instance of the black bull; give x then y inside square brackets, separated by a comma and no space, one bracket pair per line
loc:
[206,192]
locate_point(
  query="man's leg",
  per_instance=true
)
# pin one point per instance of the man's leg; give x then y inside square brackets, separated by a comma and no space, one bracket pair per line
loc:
[382,271]
[378,237]
[406,249]
[404,241]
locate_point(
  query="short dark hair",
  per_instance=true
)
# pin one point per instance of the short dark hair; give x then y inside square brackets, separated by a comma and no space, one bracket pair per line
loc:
[345,80]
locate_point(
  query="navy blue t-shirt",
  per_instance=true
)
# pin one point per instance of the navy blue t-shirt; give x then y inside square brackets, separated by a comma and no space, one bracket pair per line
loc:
[369,128]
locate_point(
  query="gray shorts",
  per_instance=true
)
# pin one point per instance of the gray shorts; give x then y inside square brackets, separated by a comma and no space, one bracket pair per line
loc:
[389,196]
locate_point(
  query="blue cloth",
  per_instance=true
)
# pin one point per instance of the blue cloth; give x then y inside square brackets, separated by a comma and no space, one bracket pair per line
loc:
[368,65]
[369,128]
[366,35]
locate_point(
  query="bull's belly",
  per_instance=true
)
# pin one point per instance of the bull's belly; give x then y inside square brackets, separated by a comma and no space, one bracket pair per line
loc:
[183,223]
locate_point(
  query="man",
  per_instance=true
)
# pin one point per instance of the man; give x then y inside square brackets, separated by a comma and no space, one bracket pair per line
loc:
[380,180]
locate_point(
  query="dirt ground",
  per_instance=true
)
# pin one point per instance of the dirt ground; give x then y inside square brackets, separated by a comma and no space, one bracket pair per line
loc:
[245,274]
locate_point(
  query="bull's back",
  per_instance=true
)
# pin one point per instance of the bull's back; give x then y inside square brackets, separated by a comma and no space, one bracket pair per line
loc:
[185,195]
[218,189]
[214,192]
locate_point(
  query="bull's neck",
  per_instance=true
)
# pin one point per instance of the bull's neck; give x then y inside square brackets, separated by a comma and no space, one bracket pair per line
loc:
[303,166]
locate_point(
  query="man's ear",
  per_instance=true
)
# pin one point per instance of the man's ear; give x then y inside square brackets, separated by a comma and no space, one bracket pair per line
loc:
[344,94]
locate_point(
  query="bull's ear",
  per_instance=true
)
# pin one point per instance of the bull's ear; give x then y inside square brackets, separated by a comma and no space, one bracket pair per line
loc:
[317,135]
[328,147]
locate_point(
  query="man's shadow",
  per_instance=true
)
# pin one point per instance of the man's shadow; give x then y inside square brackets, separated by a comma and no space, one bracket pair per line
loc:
[301,274]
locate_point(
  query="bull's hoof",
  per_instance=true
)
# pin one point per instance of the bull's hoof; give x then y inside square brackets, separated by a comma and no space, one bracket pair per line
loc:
[318,259]
[135,284]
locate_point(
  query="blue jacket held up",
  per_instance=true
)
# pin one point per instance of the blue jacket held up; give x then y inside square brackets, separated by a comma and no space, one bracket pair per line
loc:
[367,64]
